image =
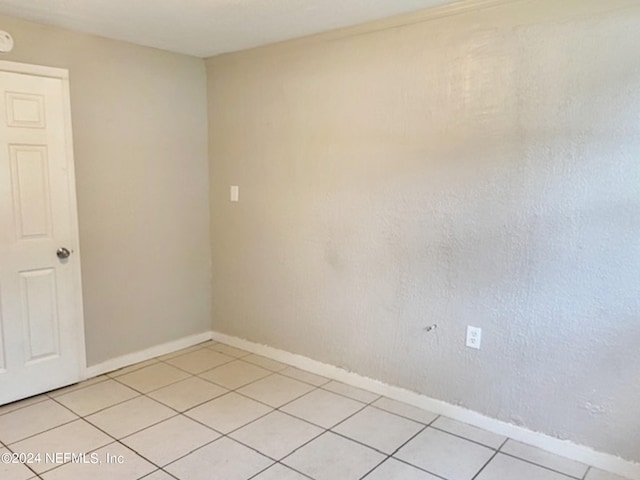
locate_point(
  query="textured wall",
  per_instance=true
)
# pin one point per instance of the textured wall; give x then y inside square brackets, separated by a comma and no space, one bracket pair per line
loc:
[480,168]
[139,126]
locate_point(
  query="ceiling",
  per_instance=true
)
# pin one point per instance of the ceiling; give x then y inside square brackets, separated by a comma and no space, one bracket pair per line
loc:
[207,27]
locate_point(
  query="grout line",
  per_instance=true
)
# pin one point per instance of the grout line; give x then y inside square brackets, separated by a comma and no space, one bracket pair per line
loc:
[182,412]
[120,402]
[167,362]
[369,472]
[374,468]
[44,431]
[131,368]
[282,465]
[391,455]
[495,454]
[195,449]
[156,471]
[262,471]
[404,416]
[77,386]
[169,474]
[364,405]
[419,468]
[117,379]
[182,352]
[44,395]
[320,385]
[323,387]
[212,347]
[543,466]
[468,439]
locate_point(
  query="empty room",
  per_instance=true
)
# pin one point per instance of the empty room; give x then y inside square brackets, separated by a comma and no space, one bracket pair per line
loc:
[320,239]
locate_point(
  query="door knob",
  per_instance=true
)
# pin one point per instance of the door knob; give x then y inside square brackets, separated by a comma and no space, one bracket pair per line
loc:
[63,253]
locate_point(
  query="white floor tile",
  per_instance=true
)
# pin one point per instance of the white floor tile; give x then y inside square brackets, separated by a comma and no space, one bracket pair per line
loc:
[77,386]
[304,376]
[445,455]
[165,442]
[276,390]
[332,457]
[88,400]
[76,437]
[504,467]
[379,429]
[200,361]
[187,393]
[277,434]
[236,374]
[132,368]
[229,350]
[182,351]
[13,406]
[13,471]
[153,377]
[36,418]
[265,362]
[351,392]
[223,459]
[129,417]
[132,467]
[323,408]
[545,459]
[158,475]
[467,431]
[392,469]
[595,474]
[413,413]
[279,472]
[228,412]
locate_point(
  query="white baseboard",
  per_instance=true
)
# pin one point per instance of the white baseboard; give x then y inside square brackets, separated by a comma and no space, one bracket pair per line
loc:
[573,451]
[142,355]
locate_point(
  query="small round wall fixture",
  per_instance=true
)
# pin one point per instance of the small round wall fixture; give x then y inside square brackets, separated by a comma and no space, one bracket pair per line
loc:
[6,42]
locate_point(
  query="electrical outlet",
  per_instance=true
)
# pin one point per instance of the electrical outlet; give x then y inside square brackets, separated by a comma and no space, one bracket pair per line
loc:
[474,337]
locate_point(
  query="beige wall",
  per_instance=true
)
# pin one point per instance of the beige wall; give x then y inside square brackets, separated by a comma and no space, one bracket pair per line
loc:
[139,120]
[478,168]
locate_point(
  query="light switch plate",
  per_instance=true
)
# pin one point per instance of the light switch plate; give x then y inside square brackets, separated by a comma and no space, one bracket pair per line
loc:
[6,42]
[235,193]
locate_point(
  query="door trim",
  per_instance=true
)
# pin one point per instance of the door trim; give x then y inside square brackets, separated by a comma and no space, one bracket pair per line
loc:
[63,75]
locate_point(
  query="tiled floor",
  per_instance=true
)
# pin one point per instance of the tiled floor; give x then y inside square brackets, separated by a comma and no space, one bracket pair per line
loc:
[214,412]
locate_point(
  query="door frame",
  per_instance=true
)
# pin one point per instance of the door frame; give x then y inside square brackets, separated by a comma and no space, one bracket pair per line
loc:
[78,310]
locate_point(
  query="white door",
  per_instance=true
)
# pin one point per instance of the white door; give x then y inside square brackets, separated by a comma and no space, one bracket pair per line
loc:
[41,325]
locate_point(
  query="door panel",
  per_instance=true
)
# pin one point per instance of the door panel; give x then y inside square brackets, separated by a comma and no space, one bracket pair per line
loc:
[30,180]
[41,329]
[39,314]
[25,110]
